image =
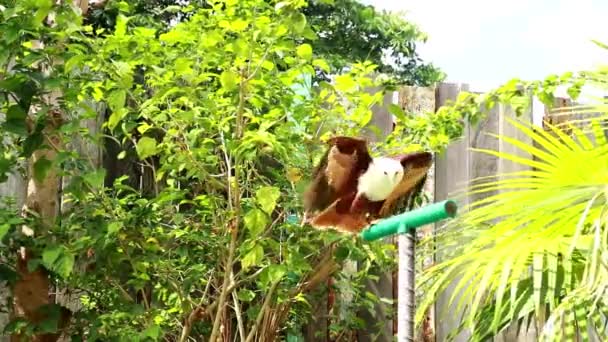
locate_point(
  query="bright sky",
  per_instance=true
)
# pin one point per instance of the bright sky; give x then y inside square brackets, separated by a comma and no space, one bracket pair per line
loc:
[487,42]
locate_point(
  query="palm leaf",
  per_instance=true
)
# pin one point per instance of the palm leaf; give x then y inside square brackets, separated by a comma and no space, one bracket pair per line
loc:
[541,229]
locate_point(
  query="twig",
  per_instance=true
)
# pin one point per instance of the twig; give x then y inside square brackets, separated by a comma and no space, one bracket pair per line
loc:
[144,296]
[239,319]
[265,307]
[124,292]
[228,168]
[257,68]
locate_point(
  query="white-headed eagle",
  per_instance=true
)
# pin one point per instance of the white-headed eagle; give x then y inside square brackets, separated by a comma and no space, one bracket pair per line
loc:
[350,189]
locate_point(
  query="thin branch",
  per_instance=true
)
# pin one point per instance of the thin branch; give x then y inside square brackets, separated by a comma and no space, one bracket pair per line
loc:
[195,314]
[236,198]
[263,310]
[238,313]
[257,68]
[228,168]
[144,296]
[124,292]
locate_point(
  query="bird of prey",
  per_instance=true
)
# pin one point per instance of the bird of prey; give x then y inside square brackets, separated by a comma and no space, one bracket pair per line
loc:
[351,189]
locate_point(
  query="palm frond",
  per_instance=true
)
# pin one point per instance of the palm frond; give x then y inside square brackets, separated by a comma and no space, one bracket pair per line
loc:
[539,238]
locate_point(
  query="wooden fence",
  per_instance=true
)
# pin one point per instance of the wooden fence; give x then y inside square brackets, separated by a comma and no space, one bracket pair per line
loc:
[452,172]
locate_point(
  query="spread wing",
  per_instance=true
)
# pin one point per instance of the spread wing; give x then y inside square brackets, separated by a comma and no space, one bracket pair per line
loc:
[416,166]
[336,174]
[332,218]
[348,158]
[341,216]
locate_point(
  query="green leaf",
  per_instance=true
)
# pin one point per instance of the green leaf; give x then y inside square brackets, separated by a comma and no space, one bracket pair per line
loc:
[267,198]
[15,120]
[5,166]
[124,71]
[183,66]
[229,80]
[253,257]
[146,147]
[152,332]
[8,274]
[74,62]
[41,169]
[116,117]
[4,228]
[321,64]
[121,25]
[11,33]
[345,83]
[304,51]
[59,260]
[397,111]
[239,25]
[116,99]
[342,253]
[255,222]
[246,295]
[32,143]
[50,255]
[95,178]
[15,112]
[273,274]
[33,264]
[16,325]
[114,227]
[600,44]
[268,65]
[52,314]
[299,22]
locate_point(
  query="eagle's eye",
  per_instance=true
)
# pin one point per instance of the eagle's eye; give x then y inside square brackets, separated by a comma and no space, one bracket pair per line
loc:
[386,173]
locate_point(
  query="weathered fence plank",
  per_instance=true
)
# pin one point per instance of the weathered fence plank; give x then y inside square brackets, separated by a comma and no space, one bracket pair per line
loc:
[15,188]
[452,172]
[505,166]
[379,324]
[456,169]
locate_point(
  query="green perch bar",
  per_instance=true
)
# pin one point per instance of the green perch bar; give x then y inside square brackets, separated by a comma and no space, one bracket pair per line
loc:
[401,223]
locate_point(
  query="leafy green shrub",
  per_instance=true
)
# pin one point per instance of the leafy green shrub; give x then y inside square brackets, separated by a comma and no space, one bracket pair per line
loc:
[187,230]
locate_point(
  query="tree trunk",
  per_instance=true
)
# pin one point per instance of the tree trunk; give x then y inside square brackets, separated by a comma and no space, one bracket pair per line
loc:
[31,293]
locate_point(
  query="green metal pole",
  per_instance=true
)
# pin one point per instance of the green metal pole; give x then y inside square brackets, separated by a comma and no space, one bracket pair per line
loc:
[399,224]
[405,224]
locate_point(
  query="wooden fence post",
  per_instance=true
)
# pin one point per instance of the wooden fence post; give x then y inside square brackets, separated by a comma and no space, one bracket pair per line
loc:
[452,172]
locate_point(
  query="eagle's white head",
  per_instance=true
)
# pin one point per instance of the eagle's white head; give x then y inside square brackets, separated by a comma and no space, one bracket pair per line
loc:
[381,178]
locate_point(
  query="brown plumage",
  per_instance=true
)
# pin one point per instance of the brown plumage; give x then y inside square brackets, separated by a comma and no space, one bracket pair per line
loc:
[336,173]
[332,199]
